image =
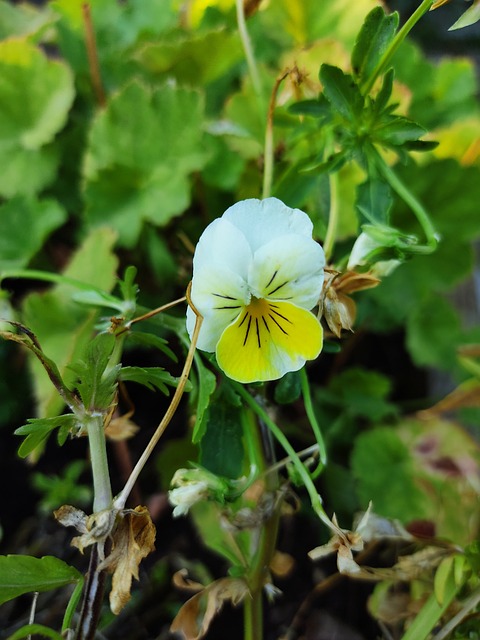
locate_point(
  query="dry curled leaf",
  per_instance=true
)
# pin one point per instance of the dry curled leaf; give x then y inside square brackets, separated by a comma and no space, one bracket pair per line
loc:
[196,615]
[133,540]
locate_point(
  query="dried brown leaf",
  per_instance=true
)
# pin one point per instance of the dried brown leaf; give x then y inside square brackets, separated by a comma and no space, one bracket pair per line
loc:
[196,615]
[133,540]
[121,428]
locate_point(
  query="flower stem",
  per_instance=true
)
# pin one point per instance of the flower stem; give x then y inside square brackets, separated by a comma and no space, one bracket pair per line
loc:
[247,47]
[307,401]
[283,441]
[120,500]
[415,205]
[333,216]
[394,45]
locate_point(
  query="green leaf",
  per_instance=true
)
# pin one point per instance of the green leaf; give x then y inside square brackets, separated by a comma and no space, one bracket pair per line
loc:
[38,629]
[341,91]
[151,340]
[206,384]
[433,333]
[373,39]
[221,447]
[380,459]
[190,59]
[430,614]
[25,224]
[374,200]
[289,388]
[38,429]
[21,574]
[44,89]
[96,384]
[397,131]
[62,326]
[133,164]
[150,377]
[23,19]
[383,96]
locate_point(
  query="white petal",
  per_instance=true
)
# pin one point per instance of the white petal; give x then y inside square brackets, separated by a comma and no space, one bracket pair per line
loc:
[362,248]
[219,294]
[262,220]
[224,246]
[289,268]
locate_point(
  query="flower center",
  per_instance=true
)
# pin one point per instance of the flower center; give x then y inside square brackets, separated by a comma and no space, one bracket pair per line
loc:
[262,316]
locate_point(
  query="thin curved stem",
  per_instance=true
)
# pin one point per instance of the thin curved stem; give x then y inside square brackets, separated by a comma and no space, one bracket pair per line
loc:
[415,205]
[333,217]
[283,441]
[307,401]
[120,500]
[247,47]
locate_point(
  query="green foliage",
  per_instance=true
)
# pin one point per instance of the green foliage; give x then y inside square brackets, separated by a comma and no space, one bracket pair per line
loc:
[381,459]
[24,574]
[129,170]
[133,164]
[44,88]
[25,224]
[221,446]
[62,489]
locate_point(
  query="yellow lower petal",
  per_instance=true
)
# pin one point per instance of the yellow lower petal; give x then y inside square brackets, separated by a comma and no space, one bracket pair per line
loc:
[267,340]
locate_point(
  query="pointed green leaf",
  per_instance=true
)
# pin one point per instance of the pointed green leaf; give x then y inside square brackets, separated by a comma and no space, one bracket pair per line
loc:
[37,629]
[374,200]
[206,384]
[150,377]
[373,39]
[24,574]
[151,340]
[38,429]
[341,91]
[397,130]
[36,94]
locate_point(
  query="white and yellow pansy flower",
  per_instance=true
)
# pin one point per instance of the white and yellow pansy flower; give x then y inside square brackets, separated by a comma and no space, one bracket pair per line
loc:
[257,273]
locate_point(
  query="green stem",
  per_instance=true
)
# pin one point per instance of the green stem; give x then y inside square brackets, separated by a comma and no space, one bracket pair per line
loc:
[283,441]
[307,401]
[99,463]
[267,534]
[253,617]
[414,204]
[333,217]
[394,45]
[247,47]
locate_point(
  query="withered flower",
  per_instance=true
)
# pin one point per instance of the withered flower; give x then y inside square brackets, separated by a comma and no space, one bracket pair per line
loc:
[336,306]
